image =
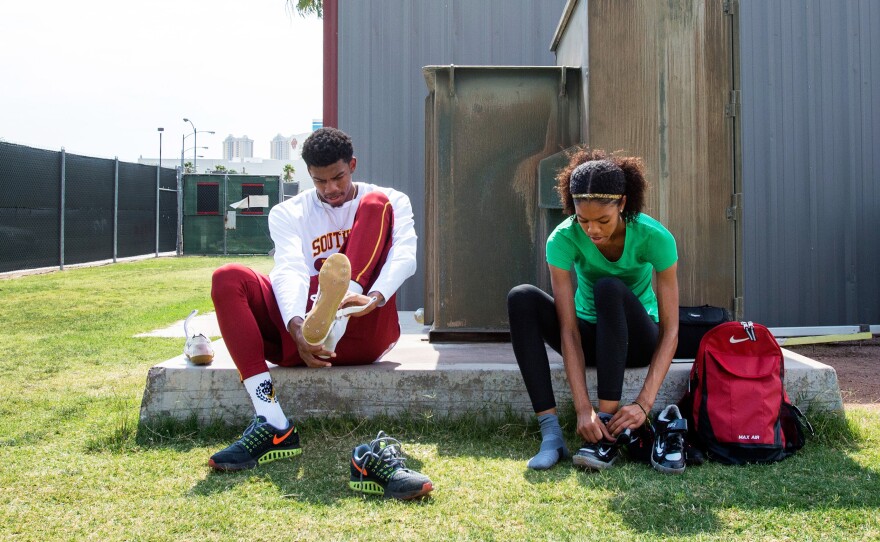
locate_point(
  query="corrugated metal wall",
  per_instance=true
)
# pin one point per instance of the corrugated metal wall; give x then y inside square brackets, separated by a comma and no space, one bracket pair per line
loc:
[383,45]
[810,80]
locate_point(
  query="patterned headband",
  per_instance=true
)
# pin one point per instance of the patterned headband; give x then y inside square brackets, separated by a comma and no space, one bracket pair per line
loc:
[597,179]
[597,196]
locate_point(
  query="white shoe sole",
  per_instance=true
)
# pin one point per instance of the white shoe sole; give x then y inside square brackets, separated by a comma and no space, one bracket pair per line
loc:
[200,354]
[666,470]
[589,463]
[333,280]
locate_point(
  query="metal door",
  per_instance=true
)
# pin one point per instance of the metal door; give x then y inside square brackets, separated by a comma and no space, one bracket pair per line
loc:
[661,78]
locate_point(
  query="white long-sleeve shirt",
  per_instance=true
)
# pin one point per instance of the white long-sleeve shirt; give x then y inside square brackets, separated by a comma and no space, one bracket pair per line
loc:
[306,230]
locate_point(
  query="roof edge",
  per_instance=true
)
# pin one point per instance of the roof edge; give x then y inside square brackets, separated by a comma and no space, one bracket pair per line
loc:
[563,23]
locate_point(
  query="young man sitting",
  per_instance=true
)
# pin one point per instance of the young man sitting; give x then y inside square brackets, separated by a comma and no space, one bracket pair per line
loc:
[342,250]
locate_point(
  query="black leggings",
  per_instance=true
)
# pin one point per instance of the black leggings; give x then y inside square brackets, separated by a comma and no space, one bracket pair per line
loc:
[624,335]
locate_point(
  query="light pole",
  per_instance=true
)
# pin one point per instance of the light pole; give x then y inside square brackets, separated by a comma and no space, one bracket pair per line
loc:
[195,142]
[183,150]
[195,150]
[158,186]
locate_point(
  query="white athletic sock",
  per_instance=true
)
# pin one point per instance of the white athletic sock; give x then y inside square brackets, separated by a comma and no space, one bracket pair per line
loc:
[355,287]
[262,393]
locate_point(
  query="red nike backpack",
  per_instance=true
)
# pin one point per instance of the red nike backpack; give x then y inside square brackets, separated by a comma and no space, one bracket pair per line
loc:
[736,404]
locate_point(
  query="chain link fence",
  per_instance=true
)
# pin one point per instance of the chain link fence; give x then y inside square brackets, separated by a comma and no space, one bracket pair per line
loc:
[58,208]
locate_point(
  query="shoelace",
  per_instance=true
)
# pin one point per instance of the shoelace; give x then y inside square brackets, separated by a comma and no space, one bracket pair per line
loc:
[347,311]
[186,322]
[250,428]
[389,452]
[314,298]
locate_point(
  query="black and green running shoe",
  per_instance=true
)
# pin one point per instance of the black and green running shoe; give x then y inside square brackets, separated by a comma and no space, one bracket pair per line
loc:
[260,443]
[378,468]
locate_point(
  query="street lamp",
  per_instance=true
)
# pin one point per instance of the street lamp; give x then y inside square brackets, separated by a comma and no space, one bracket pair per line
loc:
[158,185]
[195,141]
[183,144]
[183,150]
[194,149]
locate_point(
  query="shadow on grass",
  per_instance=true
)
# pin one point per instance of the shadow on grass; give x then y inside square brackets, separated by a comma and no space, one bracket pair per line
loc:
[462,436]
[184,435]
[822,476]
[320,474]
[317,476]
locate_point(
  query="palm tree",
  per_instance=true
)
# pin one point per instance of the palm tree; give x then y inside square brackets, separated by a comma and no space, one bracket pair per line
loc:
[307,7]
[289,170]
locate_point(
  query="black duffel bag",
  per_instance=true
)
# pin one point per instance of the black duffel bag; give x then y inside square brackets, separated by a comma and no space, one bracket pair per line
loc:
[693,323]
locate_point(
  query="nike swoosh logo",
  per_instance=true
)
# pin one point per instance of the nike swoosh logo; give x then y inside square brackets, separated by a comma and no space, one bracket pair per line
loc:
[276,440]
[734,341]
[359,469]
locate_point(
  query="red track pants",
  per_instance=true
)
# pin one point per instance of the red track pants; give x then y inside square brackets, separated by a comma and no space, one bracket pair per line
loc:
[251,323]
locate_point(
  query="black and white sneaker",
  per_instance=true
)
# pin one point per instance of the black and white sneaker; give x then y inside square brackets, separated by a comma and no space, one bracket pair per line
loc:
[599,455]
[596,456]
[668,454]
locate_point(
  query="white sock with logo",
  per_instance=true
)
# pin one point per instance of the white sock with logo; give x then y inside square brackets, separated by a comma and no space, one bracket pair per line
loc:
[262,393]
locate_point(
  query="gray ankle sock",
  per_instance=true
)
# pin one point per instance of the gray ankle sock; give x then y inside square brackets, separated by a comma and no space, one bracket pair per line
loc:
[552,444]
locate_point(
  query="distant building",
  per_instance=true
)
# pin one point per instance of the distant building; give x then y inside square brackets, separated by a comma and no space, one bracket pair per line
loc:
[317,124]
[280,147]
[238,147]
[252,166]
[287,148]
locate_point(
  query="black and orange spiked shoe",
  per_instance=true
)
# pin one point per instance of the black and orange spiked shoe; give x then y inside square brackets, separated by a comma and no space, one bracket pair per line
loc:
[378,468]
[260,443]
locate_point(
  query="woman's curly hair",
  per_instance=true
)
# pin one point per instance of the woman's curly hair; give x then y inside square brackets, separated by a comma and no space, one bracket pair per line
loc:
[633,171]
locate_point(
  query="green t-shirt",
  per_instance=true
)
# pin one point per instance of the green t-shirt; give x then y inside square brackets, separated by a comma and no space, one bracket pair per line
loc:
[648,246]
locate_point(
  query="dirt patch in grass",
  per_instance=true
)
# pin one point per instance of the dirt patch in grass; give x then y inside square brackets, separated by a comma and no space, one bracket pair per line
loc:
[858,368]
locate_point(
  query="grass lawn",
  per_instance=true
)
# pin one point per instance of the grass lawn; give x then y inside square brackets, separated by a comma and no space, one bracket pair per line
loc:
[74,463]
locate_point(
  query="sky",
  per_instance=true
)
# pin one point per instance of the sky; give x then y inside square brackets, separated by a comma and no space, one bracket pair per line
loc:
[98,77]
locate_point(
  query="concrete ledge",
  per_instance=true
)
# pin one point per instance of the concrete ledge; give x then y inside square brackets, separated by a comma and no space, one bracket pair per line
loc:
[422,379]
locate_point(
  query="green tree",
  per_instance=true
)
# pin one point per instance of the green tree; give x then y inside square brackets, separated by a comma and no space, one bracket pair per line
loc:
[307,7]
[188,167]
[219,168]
[289,170]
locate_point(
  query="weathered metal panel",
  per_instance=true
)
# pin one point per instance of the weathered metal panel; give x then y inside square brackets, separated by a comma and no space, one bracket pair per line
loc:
[490,129]
[659,81]
[811,167]
[383,45]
